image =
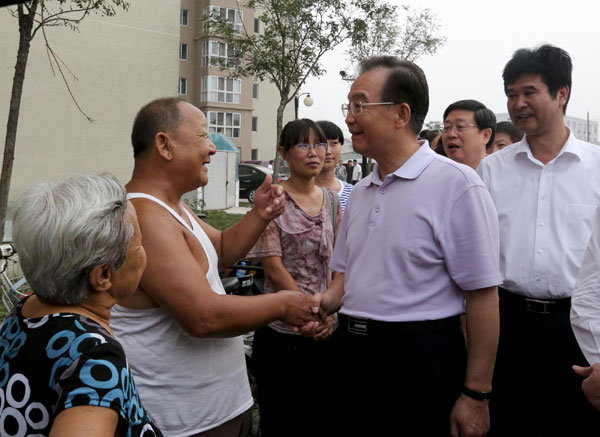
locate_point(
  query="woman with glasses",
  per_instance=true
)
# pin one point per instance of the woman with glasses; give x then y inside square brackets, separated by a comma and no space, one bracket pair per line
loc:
[327,177]
[295,249]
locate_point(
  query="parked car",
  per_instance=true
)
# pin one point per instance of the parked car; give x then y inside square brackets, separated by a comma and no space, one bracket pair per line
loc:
[284,169]
[263,162]
[251,176]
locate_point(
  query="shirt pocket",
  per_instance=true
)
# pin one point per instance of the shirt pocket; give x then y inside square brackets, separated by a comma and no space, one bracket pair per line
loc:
[579,220]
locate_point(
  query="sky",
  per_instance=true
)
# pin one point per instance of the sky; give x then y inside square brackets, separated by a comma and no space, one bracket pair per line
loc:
[481,37]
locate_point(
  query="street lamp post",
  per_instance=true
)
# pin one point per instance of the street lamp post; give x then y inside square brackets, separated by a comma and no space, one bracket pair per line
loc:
[308,101]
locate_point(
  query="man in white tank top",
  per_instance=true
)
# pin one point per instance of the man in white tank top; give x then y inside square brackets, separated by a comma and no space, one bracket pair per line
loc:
[180,330]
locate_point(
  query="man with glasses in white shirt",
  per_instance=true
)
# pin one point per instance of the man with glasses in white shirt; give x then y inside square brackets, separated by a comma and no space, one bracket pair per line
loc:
[417,248]
[546,188]
[469,129]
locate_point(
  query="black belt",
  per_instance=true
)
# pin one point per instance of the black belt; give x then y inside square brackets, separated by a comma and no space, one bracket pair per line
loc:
[515,301]
[360,326]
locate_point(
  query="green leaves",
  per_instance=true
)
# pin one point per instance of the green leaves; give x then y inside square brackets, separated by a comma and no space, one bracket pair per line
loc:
[382,34]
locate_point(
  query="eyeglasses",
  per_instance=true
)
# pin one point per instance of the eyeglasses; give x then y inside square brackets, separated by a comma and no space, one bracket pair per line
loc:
[304,147]
[356,108]
[460,127]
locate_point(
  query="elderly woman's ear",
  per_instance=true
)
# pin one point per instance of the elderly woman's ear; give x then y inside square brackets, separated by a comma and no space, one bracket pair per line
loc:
[100,278]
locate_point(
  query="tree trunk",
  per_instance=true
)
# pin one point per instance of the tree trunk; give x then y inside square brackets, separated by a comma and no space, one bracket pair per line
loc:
[25,28]
[278,158]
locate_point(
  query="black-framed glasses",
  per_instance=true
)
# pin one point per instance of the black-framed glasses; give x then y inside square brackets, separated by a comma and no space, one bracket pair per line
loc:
[356,108]
[460,127]
[318,147]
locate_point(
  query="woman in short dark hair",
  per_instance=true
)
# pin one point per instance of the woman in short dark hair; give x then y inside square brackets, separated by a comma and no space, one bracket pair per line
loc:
[295,250]
[327,178]
[506,134]
[63,373]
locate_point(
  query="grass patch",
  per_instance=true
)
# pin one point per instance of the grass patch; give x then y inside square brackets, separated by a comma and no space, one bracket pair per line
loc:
[221,220]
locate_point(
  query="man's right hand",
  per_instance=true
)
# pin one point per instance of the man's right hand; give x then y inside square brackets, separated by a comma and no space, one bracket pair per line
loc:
[297,308]
[591,383]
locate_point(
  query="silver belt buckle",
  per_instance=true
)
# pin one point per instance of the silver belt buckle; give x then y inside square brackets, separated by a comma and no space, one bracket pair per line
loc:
[357,326]
[531,305]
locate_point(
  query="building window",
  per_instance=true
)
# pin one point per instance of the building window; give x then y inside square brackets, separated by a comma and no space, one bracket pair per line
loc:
[254,154]
[182,85]
[183,52]
[219,54]
[256,25]
[184,17]
[233,16]
[254,124]
[221,89]
[227,123]
[255,90]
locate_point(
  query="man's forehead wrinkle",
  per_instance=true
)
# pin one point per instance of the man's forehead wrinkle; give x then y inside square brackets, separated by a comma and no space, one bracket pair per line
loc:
[354,95]
[461,118]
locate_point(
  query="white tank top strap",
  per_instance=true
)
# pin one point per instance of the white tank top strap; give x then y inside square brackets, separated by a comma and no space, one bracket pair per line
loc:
[163,204]
[196,229]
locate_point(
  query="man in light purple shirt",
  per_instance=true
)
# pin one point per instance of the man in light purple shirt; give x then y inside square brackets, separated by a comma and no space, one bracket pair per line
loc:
[419,239]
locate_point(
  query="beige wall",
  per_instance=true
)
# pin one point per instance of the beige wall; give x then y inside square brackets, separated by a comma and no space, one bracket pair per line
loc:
[121,63]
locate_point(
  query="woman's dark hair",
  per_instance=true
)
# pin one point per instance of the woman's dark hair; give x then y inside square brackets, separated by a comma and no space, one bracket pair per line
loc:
[331,130]
[506,127]
[429,134]
[298,131]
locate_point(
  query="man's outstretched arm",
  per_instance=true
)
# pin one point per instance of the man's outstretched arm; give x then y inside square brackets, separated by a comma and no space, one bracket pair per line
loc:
[175,278]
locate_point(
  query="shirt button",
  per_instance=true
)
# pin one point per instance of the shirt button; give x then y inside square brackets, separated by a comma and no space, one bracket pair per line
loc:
[376,209]
[382,190]
[542,224]
[539,279]
[540,251]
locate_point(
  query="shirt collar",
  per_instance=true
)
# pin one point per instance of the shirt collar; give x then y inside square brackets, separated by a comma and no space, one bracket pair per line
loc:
[571,147]
[412,168]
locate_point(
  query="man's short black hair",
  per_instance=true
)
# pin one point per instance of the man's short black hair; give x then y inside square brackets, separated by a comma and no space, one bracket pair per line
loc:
[553,64]
[406,83]
[160,115]
[484,117]
[331,130]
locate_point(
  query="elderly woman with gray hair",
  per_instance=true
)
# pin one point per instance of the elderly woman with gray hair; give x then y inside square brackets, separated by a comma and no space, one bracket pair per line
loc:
[62,373]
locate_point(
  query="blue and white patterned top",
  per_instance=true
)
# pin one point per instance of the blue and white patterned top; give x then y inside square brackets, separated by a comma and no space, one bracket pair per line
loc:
[345,194]
[52,363]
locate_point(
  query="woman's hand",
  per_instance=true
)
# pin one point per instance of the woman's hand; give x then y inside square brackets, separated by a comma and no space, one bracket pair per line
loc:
[325,328]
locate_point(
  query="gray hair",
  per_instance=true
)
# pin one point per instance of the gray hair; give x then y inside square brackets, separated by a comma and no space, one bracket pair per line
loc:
[63,229]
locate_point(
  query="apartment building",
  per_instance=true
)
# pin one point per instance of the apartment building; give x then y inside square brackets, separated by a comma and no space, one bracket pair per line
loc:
[240,108]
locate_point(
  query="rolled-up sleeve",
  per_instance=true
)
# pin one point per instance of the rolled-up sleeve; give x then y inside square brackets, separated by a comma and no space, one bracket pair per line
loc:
[585,302]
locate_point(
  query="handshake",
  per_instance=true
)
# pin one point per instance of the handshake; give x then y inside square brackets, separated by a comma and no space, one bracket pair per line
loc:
[311,316]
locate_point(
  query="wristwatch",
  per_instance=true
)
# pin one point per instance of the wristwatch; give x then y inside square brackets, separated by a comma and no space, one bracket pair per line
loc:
[477,395]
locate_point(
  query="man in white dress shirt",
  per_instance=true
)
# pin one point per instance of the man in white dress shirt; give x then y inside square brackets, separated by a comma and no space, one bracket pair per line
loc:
[585,316]
[546,188]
